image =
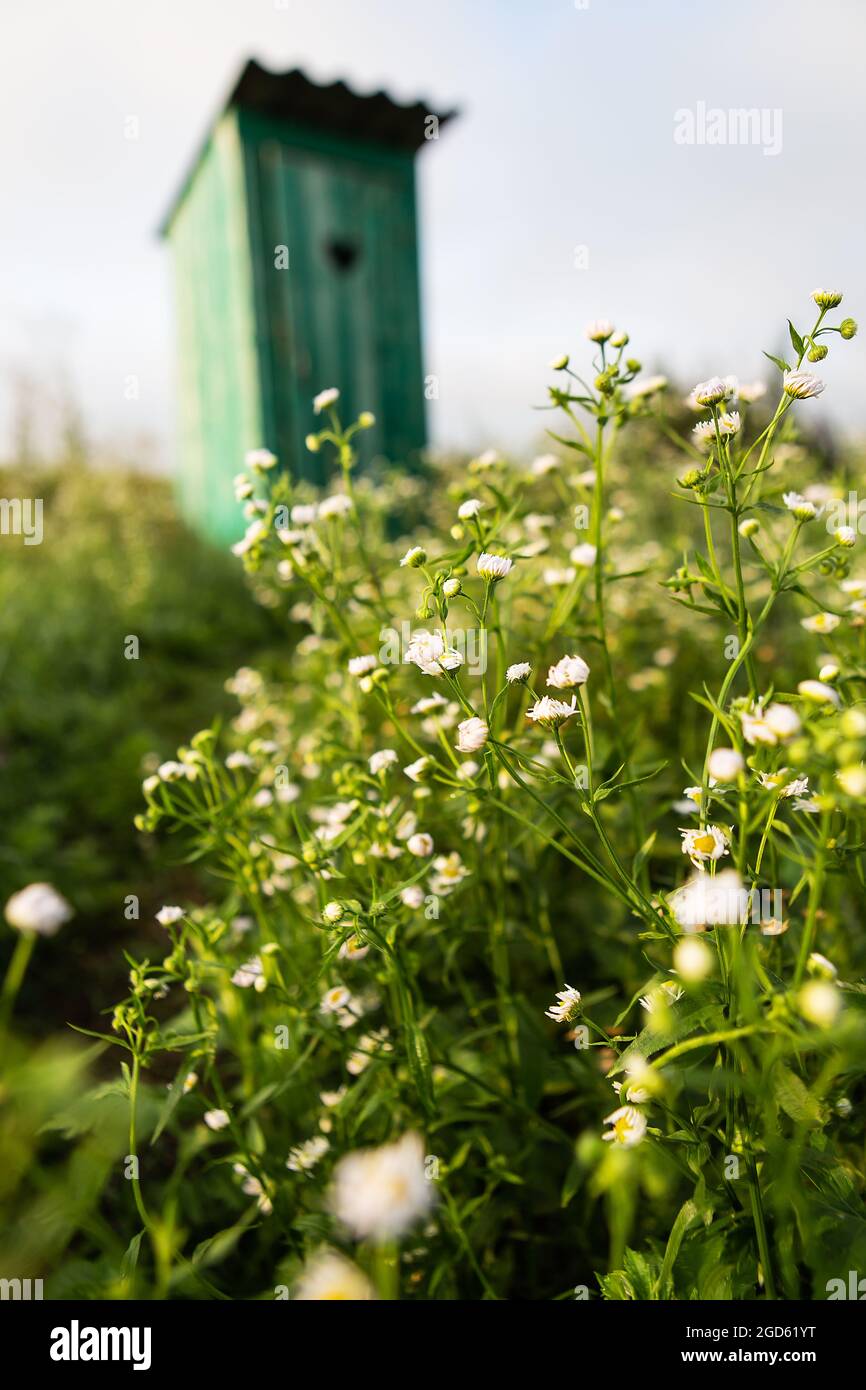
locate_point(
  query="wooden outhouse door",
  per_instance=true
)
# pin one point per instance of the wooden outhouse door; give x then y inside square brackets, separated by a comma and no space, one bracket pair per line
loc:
[344,313]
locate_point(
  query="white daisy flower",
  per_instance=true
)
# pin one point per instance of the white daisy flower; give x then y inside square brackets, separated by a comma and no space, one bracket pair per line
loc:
[777,724]
[380,1193]
[568,1008]
[818,692]
[583,555]
[821,622]
[362,665]
[253,1188]
[414,558]
[708,842]
[449,871]
[803,509]
[427,651]
[551,713]
[493,567]
[599,330]
[304,1157]
[332,1098]
[168,915]
[558,578]
[472,734]
[820,1003]
[569,671]
[725,764]
[417,771]
[749,391]
[336,505]
[428,704]
[820,965]
[260,459]
[420,844]
[38,908]
[335,999]
[802,385]
[467,510]
[381,761]
[325,398]
[216,1119]
[650,386]
[704,434]
[413,896]
[662,996]
[238,759]
[711,392]
[251,974]
[353,948]
[852,780]
[544,464]
[628,1126]
[520,671]
[172,771]
[710,900]
[329,1278]
[693,960]
[798,787]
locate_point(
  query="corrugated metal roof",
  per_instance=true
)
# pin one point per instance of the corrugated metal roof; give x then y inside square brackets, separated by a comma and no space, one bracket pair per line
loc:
[333,107]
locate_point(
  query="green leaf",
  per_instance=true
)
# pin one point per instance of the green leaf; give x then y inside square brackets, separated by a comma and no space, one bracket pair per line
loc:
[687,1214]
[795,1098]
[643,854]
[174,1096]
[571,1184]
[796,340]
[699,1014]
[782,365]
[129,1262]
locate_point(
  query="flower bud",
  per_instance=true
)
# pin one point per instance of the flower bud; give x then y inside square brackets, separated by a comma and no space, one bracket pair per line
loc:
[313,443]
[366,420]
[827,299]
[820,1003]
[749,527]
[559,364]
[415,557]
[693,960]
[818,352]
[451,588]
[848,328]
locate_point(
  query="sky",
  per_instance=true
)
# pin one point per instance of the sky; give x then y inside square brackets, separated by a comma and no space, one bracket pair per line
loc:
[570,188]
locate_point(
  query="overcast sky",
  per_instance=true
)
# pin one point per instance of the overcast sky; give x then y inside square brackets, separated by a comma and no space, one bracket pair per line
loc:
[566,141]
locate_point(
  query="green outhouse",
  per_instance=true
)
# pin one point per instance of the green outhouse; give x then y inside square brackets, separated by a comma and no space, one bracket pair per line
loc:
[294,242]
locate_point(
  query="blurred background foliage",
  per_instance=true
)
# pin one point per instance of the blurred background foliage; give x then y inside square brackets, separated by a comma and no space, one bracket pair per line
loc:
[80,725]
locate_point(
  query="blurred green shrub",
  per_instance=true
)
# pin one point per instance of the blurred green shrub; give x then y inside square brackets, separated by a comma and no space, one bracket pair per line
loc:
[80,724]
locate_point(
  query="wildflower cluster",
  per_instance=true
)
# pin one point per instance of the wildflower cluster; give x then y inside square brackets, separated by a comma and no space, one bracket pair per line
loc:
[466,788]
